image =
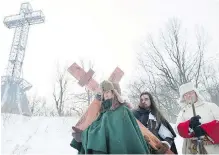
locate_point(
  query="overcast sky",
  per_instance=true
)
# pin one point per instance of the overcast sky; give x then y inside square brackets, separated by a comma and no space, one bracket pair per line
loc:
[107,32]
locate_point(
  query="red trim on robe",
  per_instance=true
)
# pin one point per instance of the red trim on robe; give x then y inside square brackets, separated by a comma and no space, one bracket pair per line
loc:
[212,130]
[183,129]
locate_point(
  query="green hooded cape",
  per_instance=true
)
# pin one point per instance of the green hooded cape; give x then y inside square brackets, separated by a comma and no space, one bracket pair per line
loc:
[114,132]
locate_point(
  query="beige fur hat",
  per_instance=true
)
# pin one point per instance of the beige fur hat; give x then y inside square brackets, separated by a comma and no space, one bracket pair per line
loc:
[187,87]
[117,87]
[107,85]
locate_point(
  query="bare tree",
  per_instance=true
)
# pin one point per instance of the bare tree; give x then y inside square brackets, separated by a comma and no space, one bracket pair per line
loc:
[60,92]
[67,101]
[37,105]
[168,63]
[210,83]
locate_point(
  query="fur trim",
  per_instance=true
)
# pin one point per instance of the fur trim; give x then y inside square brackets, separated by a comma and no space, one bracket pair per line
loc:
[117,87]
[118,96]
[187,87]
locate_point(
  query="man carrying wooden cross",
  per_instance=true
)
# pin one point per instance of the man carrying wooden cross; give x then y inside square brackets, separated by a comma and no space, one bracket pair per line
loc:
[114,130]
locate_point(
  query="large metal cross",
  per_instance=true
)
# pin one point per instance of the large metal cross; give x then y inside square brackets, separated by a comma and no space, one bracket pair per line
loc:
[13,87]
[85,78]
[21,22]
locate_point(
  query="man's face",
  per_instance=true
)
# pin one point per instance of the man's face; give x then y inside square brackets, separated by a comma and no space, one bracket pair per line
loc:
[145,101]
[108,95]
[190,97]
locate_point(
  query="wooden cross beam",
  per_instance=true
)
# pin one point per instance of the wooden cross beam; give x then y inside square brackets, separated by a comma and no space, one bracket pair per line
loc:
[85,78]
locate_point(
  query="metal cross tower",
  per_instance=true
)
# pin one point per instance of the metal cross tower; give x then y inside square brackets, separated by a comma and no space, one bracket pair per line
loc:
[13,86]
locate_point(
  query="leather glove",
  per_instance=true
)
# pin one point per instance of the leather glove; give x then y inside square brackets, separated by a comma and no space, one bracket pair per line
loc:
[194,122]
[77,134]
[199,131]
[162,148]
[98,96]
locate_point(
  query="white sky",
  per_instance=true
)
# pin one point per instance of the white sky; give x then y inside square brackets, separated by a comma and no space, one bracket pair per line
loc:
[107,32]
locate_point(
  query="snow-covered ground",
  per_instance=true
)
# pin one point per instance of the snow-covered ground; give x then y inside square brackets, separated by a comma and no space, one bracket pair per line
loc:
[36,135]
[40,135]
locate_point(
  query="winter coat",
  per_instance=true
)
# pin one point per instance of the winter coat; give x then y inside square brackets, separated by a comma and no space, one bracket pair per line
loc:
[209,113]
[163,130]
[115,131]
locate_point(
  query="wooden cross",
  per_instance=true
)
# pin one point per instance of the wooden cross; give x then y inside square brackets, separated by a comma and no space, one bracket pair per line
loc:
[85,78]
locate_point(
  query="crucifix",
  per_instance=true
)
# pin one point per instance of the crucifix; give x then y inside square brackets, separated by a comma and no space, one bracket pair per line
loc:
[85,78]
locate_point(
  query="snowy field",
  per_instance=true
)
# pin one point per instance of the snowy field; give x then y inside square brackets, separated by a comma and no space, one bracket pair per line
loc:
[40,135]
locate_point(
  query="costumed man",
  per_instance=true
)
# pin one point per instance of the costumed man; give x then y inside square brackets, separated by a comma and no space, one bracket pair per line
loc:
[115,131]
[203,126]
[149,115]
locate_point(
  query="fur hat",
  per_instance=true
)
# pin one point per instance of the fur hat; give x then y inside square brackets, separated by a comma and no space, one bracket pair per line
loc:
[187,87]
[107,85]
[117,87]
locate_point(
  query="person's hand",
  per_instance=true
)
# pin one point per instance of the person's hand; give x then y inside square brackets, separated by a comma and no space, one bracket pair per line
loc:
[77,134]
[147,138]
[162,148]
[199,131]
[98,96]
[194,122]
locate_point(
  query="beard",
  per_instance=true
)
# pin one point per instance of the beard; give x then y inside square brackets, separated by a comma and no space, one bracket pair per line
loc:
[145,106]
[191,100]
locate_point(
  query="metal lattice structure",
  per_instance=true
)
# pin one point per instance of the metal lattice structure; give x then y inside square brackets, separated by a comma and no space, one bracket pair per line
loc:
[13,86]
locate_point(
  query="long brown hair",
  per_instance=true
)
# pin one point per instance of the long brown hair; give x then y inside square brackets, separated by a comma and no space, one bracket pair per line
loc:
[154,110]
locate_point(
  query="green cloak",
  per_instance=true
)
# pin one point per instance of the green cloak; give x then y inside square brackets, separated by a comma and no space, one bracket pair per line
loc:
[113,132]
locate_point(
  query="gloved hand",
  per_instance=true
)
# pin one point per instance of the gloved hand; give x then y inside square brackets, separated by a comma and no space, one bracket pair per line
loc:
[199,131]
[77,134]
[98,96]
[162,148]
[194,122]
